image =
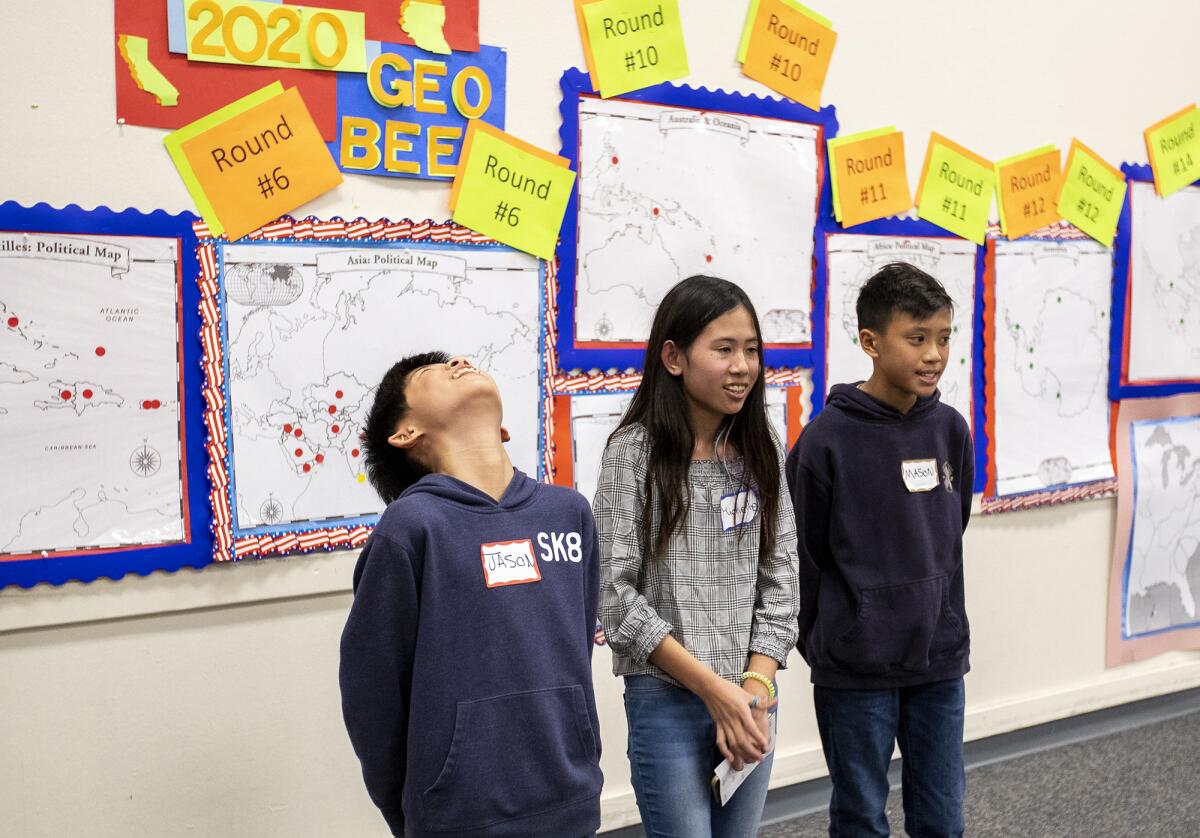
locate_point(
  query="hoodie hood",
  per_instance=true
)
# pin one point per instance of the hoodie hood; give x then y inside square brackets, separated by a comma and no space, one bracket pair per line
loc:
[861,405]
[520,491]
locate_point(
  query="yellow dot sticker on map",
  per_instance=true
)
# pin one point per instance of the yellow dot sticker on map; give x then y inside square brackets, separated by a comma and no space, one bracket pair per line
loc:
[956,189]
[631,44]
[1092,193]
[510,190]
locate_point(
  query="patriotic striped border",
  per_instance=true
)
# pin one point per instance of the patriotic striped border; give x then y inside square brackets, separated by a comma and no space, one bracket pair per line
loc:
[1032,500]
[225,546]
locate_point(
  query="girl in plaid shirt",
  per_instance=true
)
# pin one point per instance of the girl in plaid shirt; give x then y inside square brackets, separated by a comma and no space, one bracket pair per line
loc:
[698,591]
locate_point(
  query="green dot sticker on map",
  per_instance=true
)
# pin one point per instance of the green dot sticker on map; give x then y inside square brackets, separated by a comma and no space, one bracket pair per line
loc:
[1092,193]
[631,44]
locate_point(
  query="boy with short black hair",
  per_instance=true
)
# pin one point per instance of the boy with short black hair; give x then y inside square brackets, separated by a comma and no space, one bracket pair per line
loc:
[466,659]
[881,483]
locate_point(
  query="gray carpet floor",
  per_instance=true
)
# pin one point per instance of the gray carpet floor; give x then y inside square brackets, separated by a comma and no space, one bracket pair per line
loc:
[1140,783]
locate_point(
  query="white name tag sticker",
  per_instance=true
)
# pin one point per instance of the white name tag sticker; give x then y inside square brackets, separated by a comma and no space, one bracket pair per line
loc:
[509,563]
[919,475]
[738,509]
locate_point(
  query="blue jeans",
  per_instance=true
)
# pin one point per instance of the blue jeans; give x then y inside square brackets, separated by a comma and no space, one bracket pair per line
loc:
[672,754]
[858,731]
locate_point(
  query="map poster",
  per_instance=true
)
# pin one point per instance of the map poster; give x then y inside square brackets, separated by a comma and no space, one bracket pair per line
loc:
[92,407]
[676,181]
[1047,327]
[305,330]
[1154,584]
[588,416]
[1159,250]
[853,258]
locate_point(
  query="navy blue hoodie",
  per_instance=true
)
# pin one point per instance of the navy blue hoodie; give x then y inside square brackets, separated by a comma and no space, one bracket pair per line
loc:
[882,499]
[466,662]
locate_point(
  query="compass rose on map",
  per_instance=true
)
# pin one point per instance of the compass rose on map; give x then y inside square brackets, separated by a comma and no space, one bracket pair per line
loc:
[145,461]
[271,512]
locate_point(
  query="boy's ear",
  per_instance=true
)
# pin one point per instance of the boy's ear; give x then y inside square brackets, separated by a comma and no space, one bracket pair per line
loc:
[405,437]
[505,436]
[672,358]
[869,341]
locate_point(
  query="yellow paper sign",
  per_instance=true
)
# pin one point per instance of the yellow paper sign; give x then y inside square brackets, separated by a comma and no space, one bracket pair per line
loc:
[135,50]
[275,35]
[261,163]
[1092,193]
[956,189]
[175,140]
[1174,148]
[752,12]
[631,44]
[425,22]
[1028,187]
[510,190]
[789,52]
[868,175]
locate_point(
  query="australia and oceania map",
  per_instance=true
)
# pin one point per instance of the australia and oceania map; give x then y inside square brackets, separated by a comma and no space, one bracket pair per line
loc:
[666,193]
[1052,301]
[89,393]
[1163,572]
[309,331]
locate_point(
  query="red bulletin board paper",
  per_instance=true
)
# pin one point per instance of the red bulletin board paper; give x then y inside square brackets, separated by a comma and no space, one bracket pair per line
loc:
[203,87]
[383,21]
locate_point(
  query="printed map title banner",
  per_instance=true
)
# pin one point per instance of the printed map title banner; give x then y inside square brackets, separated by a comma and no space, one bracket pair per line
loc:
[408,115]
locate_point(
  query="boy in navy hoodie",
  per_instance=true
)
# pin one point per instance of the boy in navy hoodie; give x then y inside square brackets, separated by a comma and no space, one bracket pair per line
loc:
[881,482]
[466,660]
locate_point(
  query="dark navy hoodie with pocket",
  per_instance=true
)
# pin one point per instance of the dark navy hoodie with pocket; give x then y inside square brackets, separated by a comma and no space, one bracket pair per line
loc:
[882,499]
[466,662]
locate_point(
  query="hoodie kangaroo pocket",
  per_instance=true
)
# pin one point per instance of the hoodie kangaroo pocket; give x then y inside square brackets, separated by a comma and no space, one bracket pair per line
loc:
[515,755]
[900,627]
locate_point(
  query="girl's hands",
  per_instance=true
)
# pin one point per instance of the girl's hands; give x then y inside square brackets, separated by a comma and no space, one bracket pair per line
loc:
[743,735]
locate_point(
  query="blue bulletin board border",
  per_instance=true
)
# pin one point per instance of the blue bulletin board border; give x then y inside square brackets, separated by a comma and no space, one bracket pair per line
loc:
[575,84]
[901,228]
[1118,355]
[233,542]
[196,550]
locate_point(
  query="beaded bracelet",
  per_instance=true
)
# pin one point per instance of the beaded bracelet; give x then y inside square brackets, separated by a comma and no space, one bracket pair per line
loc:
[762,679]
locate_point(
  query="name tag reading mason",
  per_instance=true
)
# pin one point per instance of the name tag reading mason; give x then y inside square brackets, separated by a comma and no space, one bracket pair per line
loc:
[919,475]
[509,563]
[738,509]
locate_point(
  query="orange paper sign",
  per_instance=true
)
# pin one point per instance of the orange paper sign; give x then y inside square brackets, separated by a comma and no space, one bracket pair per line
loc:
[262,163]
[870,177]
[1028,185]
[789,52]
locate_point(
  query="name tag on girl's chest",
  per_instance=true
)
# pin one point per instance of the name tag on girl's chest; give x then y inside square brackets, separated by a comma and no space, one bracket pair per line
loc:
[738,509]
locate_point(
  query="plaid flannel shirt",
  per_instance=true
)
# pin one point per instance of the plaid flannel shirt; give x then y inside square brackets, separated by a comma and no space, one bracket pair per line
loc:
[709,591]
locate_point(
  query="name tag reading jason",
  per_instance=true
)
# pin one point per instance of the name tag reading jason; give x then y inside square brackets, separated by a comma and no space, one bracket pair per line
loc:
[919,475]
[509,563]
[738,509]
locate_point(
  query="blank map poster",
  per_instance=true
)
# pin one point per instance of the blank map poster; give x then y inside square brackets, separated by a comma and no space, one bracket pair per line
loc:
[1154,588]
[1048,327]
[675,182]
[307,331]
[92,411]
[851,259]
[1163,326]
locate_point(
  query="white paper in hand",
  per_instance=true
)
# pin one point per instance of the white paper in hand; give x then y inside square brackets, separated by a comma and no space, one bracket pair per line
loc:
[726,780]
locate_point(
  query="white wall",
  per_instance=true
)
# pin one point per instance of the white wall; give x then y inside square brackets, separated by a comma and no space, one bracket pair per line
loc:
[205,703]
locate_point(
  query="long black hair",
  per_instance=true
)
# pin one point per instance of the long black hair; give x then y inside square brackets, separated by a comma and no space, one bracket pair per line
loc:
[661,407]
